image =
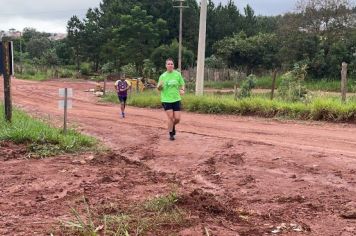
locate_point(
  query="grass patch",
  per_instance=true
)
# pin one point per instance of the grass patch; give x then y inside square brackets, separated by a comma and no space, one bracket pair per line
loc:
[38,76]
[42,139]
[150,216]
[219,84]
[162,203]
[265,82]
[325,108]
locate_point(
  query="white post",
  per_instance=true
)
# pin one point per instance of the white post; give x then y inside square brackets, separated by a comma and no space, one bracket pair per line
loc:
[65,110]
[199,86]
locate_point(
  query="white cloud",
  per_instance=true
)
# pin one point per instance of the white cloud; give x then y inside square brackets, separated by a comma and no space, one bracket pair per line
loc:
[53,15]
[44,15]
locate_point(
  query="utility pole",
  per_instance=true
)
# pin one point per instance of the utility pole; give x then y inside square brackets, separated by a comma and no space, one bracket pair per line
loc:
[20,53]
[181,6]
[199,85]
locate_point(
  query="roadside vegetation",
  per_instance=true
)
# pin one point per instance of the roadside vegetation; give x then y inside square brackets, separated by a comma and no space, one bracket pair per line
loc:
[40,138]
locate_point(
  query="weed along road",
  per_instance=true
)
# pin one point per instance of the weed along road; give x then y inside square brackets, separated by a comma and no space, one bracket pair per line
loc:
[256,175]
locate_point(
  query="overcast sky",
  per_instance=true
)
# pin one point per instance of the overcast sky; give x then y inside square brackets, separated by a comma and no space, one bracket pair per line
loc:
[52,15]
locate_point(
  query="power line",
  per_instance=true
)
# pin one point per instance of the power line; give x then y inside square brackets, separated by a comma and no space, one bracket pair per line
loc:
[180,6]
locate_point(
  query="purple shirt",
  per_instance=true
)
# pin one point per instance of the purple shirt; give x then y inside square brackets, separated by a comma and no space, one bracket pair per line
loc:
[120,86]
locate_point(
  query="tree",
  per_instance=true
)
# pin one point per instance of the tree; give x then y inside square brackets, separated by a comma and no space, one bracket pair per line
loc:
[50,59]
[314,35]
[37,46]
[31,33]
[249,52]
[63,51]
[75,37]
[223,21]
[160,54]
[250,21]
[329,18]
[93,35]
[137,36]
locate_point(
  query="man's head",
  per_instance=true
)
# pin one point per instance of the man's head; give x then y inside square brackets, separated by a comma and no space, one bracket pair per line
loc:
[122,77]
[169,64]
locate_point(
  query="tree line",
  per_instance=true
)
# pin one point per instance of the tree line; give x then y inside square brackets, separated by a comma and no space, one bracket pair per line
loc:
[141,34]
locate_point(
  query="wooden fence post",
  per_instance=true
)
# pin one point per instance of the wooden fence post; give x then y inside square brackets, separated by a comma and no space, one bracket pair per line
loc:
[7,63]
[343,81]
[274,75]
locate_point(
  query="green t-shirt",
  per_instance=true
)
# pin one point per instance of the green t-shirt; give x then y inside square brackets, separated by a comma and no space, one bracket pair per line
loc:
[172,82]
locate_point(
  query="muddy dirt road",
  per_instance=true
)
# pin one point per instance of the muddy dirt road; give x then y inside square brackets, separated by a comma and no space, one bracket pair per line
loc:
[289,177]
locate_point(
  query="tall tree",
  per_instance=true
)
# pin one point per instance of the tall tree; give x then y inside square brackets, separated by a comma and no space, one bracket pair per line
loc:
[75,37]
[93,35]
[329,18]
[37,46]
[250,21]
[137,36]
[249,53]
[160,54]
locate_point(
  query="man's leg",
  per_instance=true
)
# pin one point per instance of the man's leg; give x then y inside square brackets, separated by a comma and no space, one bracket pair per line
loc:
[123,109]
[176,115]
[176,120]
[170,119]
[123,106]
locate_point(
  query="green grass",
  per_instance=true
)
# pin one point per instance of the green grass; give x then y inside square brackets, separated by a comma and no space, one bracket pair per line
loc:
[162,203]
[40,138]
[31,73]
[147,217]
[265,82]
[219,84]
[39,76]
[321,107]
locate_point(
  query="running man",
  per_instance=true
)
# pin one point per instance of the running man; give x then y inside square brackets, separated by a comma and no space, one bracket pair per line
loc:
[121,87]
[171,84]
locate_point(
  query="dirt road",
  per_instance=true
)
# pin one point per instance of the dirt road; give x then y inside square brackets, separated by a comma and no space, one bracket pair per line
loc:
[289,177]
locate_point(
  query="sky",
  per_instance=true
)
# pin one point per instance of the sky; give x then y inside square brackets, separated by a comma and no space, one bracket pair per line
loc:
[52,15]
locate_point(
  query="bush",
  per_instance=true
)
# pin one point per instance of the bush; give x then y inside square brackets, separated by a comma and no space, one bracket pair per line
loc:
[246,86]
[291,89]
[129,70]
[65,73]
[85,69]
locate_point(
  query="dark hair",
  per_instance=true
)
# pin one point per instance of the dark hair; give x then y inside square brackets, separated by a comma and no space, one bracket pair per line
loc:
[170,59]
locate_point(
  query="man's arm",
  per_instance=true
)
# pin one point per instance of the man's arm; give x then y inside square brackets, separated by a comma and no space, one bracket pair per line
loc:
[116,87]
[128,85]
[182,88]
[160,84]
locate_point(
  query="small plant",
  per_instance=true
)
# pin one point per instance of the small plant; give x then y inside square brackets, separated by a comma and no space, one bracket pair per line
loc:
[162,203]
[138,219]
[246,87]
[85,69]
[83,225]
[292,86]
[65,73]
